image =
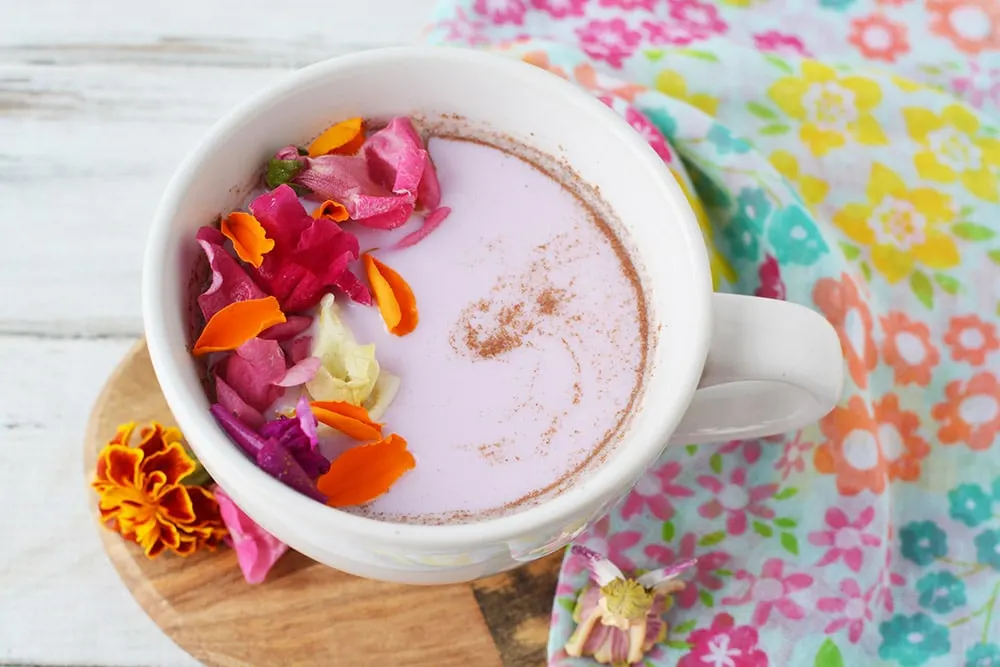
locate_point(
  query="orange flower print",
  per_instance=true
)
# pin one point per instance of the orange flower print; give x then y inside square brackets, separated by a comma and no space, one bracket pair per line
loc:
[852,451]
[970,412]
[541,59]
[878,38]
[847,312]
[908,349]
[902,448]
[971,25]
[971,339]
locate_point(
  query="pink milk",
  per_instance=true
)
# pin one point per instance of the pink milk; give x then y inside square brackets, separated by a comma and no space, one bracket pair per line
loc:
[530,346]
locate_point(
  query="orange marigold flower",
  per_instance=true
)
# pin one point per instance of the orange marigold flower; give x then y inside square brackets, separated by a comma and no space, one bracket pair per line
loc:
[971,339]
[970,412]
[908,349]
[852,451]
[142,496]
[848,313]
[902,447]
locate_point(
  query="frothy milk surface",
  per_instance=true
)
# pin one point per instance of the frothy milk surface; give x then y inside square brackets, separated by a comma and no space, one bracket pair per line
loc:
[529,348]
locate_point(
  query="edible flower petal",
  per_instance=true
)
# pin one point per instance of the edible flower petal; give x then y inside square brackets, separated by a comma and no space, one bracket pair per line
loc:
[351,420]
[331,210]
[393,295]
[231,400]
[431,222]
[230,282]
[290,328]
[256,549]
[356,290]
[142,495]
[382,396]
[237,323]
[345,138]
[398,161]
[310,256]
[254,372]
[275,459]
[300,373]
[349,370]
[364,473]
[249,239]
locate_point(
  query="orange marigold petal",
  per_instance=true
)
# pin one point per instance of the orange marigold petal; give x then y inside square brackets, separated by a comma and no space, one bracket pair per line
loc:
[173,461]
[351,420]
[169,535]
[331,210]
[248,236]
[364,473]
[120,464]
[123,435]
[237,323]
[176,505]
[393,295]
[344,138]
[204,506]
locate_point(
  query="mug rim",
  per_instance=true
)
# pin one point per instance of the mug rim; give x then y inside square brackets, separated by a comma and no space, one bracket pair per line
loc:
[607,479]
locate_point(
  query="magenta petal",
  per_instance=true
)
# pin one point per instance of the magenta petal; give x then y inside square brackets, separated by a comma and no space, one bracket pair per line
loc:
[230,282]
[290,328]
[831,605]
[790,609]
[349,284]
[256,549]
[277,461]
[254,370]
[710,484]
[307,420]
[397,160]
[300,373]
[245,437]
[431,222]
[300,348]
[232,402]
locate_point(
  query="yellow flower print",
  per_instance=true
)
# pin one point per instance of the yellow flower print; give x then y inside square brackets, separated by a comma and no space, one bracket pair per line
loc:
[812,189]
[673,84]
[721,268]
[830,107]
[901,227]
[952,151]
[907,85]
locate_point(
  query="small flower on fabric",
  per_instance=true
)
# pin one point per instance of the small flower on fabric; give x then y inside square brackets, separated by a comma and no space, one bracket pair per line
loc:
[771,284]
[852,611]
[980,85]
[781,44]
[501,11]
[144,498]
[970,412]
[988,548]
[970,504]
[629,5]
[846,539]
[772,590]
[736,500]
[724,644]
[971,339]
[724,142]
[841,304]
[852,450]
[973,26]
[922,542]
[912,640]
[465,30]
[746,227]
[611,41]
[649,132]
[700,18]
[661,33]
[793,458]
[878,38]
[908,349]
[652,491]
[887,579]
[561,8]
[795,237]
[256,549]
[705,567]
[941,592]
[982,655]
[619,619]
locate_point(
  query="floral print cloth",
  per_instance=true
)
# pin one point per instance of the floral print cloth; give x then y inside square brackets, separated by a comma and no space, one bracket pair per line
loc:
[831,163]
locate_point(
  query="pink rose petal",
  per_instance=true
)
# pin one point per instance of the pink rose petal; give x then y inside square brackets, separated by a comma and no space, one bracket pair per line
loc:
[290,328]
[300,348]
[398,161]
[253,371]
[233,402]
[256,549]
[230,282]
[300,373]
[431,222]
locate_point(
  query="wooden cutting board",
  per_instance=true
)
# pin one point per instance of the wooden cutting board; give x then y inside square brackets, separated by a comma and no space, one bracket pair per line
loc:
[306,613]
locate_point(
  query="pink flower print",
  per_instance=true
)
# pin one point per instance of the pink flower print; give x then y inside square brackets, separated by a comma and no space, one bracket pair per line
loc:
[652,491]
[501,11]
[845,538]
[793,459]
[887,579]
[560,8]
[617,546]
[463,30]
[663,32]
[772,590]
[780,44]
[611,41]
[853,610]
[649,132]
[629,4]
[701,18]
[704,573]
[724,644]
[980,85]
[751,449]
[771,284]
[736,500]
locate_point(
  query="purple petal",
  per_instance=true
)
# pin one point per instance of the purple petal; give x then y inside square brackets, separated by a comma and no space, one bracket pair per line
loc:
[254,370]
[431,222]
[603,571]
[232,402]
[307,420]
[244,436]
[290,328]
[230,282]
[277,461]
[300,373]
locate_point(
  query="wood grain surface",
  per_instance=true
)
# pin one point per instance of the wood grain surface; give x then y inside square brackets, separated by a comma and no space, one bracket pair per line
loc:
[305,613]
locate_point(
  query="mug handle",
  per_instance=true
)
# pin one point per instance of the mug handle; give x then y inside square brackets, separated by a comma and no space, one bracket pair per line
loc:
[772,367]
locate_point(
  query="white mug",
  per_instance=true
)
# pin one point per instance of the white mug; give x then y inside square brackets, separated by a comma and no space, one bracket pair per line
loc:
[722,366]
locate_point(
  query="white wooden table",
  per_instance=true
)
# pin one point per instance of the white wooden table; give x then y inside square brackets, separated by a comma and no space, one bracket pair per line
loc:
[99,101]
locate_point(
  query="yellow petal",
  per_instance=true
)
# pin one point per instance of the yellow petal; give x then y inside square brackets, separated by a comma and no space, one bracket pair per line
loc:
[867,94]
[920,122]
[814,190]
[706,103]
[820,142]
[906,85]
[938,252]
[928,167]
[349,371]
[981,183]
[936,206]
[883,181]
[892,262]
[867,131]
[853,221]
[815,71]
[671,83]
[959,117]
[786,164]
[990,151]
[787,94]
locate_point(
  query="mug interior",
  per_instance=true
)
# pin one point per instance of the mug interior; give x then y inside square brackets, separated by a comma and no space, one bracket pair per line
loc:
[491,94]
